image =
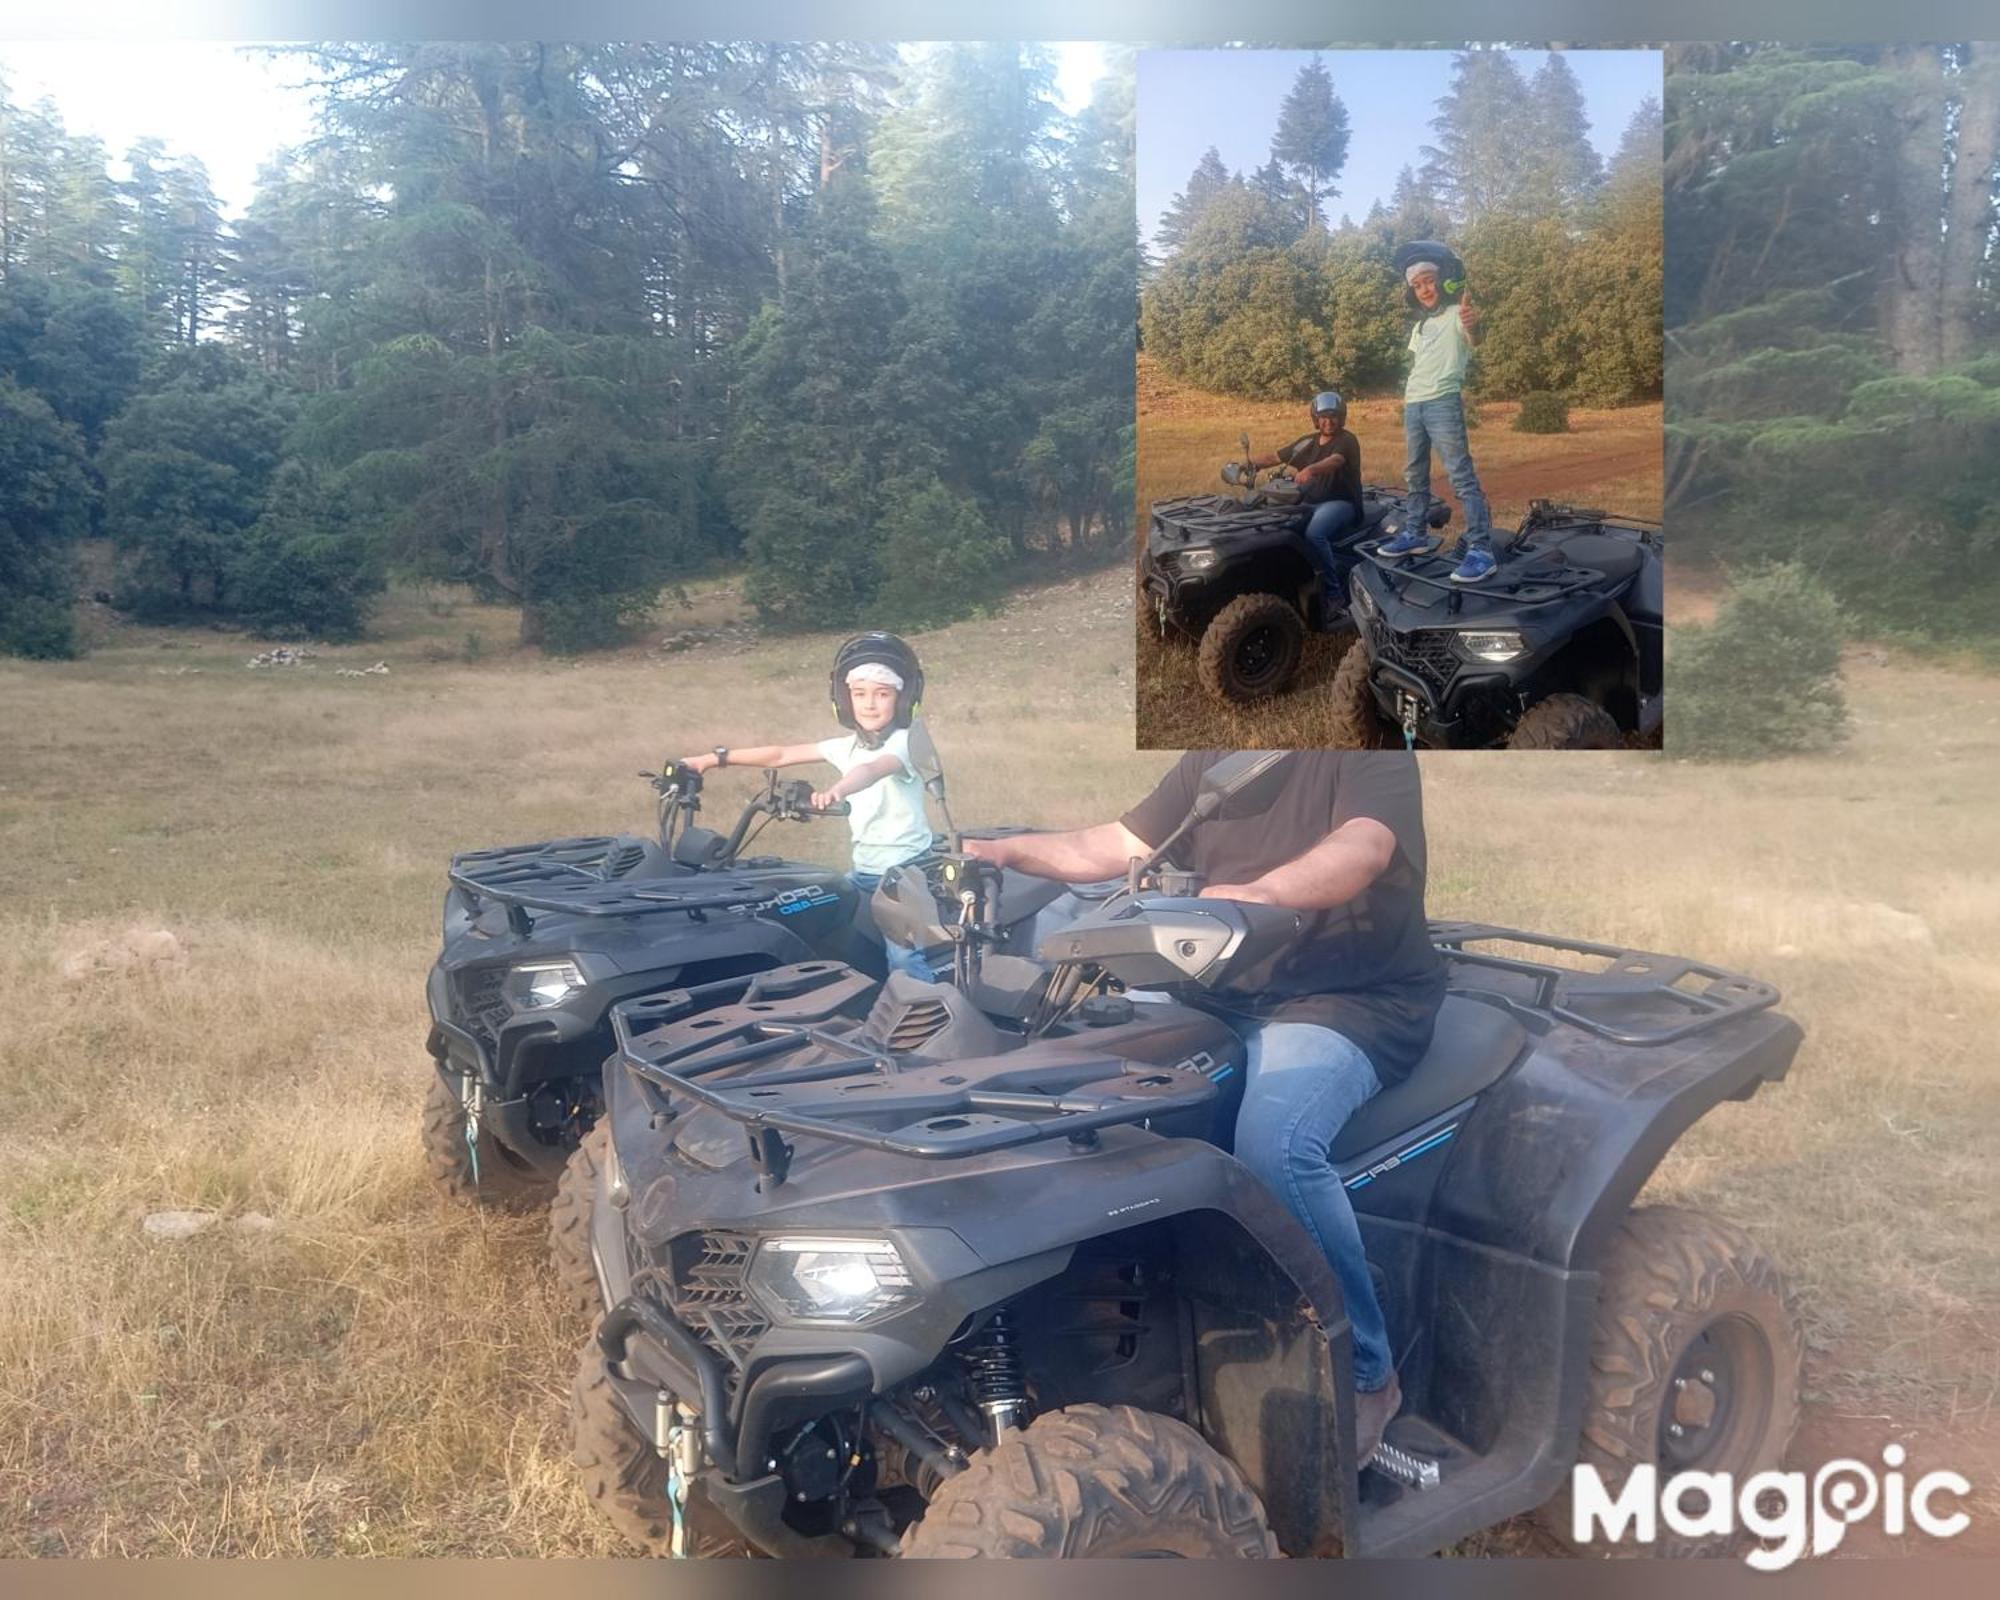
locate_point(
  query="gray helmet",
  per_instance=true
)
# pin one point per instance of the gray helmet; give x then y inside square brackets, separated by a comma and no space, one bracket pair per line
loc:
[1329,400]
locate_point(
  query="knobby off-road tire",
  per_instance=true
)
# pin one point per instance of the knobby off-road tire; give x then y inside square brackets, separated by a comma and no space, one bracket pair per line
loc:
[1352,720]
[624,1477]
[569,1223]
[1566,722]
[1677,1288]
[505,1182]
[1096,1481]
[1252,649]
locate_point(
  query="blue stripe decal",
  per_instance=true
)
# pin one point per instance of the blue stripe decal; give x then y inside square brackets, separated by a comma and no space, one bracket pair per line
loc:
[1362,1180]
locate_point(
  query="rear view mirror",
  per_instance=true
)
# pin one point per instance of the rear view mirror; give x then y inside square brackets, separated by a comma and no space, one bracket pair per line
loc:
[924,757]
[1244,783]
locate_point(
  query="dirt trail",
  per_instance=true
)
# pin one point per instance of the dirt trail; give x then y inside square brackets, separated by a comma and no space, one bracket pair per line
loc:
[1569,474]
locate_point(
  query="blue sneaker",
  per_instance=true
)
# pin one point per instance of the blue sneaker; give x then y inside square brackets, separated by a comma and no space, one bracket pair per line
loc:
[1478,564]
[1406,542]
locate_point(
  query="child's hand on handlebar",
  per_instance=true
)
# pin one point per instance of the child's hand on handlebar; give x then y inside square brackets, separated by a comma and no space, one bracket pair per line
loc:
[825,799]
[705,762]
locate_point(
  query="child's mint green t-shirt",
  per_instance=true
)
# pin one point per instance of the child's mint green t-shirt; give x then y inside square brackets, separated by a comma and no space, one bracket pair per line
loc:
[887,817]
[1442,352]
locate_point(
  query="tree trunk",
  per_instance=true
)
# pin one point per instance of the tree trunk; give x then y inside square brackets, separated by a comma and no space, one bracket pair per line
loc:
[1910,294]
[1971,211]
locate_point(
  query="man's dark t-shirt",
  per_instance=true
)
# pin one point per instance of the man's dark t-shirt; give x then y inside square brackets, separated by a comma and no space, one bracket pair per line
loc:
[1342,483]
[1366,969]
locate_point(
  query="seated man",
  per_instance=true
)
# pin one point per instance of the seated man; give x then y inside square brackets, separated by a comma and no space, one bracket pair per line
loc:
[1348,1008]
[1326,464]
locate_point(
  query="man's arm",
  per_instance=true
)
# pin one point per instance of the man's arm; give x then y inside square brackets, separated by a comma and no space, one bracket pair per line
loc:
[1080,856]
[1331,873]
[1332,463]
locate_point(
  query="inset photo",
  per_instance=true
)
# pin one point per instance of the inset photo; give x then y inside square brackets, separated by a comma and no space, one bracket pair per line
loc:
[1399,399]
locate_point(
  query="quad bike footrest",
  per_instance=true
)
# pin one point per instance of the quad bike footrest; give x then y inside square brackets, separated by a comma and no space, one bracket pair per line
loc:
[1406,1467]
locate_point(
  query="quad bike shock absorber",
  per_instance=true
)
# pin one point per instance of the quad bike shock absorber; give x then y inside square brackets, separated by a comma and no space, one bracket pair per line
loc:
[998,1381]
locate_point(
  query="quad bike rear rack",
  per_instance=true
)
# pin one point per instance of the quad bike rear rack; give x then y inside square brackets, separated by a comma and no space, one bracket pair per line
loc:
[943,1116]
[1633,997]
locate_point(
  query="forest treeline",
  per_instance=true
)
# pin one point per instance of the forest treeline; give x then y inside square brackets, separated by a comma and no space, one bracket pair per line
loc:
[569,322]
[1833,392]
[1257,294]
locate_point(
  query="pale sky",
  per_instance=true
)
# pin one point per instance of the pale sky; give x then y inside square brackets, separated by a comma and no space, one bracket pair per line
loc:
[232,106]
[1191,99]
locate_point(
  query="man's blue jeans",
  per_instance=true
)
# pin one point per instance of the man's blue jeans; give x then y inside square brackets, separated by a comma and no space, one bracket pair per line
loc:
[1304,1082]
[901,957]
[1327,523]
[1441,423]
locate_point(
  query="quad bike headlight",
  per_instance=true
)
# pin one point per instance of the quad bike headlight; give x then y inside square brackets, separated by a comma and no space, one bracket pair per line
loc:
[538,985]
[1495,647]
[836,1281]
[1359,600]
[1198,560]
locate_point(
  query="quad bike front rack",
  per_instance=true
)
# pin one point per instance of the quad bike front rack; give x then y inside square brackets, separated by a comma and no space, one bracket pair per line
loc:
[937,1109]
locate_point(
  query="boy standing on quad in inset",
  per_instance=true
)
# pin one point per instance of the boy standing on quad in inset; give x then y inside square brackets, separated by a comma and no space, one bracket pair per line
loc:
[1441,346]
[1326,464]
[876,685]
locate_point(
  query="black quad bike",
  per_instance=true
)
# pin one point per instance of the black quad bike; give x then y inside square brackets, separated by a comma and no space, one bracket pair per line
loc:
[968,1269]
[1234,573]
[1560,649]
[541,939]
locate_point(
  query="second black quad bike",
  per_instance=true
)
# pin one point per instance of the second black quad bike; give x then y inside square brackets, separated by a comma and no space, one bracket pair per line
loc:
[1560,649]
[1235,574]
[540,939]
[968,1269]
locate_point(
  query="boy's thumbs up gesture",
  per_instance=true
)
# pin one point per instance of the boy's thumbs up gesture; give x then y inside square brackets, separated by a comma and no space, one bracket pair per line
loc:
[1468,313]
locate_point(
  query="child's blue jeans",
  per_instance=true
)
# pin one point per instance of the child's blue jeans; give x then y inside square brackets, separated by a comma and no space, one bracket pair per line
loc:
[1441,423]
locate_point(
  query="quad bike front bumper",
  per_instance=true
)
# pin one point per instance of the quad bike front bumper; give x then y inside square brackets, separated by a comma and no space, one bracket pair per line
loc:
[1470,712]
[668,1371]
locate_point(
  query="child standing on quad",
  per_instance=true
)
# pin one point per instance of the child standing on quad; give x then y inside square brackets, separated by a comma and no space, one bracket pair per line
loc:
[1441,346]
[1326,464]
[876,685]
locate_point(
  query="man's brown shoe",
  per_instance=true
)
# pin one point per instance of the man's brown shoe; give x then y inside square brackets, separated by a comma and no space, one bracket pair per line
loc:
[1372,1410]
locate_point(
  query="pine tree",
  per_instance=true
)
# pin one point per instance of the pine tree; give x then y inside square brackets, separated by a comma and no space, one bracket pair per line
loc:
[1311,140]
[1209,179]
[1480,163]
[1563,169]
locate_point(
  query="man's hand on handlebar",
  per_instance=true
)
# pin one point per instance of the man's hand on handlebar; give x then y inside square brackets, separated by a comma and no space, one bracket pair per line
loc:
[1254,893]
[999,852]
[705,762]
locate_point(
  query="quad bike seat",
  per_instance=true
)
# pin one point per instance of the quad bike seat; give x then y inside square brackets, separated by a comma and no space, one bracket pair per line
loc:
[1474,1044]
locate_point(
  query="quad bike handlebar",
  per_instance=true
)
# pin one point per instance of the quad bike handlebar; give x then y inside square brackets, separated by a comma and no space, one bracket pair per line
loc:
[679,787]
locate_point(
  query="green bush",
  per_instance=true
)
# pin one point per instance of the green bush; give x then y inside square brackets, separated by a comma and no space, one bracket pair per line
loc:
[938,559]
[1542,412]
[1764,678]
[575,625]
[38,628]
[303,568]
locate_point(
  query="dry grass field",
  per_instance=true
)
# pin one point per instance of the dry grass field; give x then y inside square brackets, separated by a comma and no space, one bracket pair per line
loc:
[374,1370]
[1608,458]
